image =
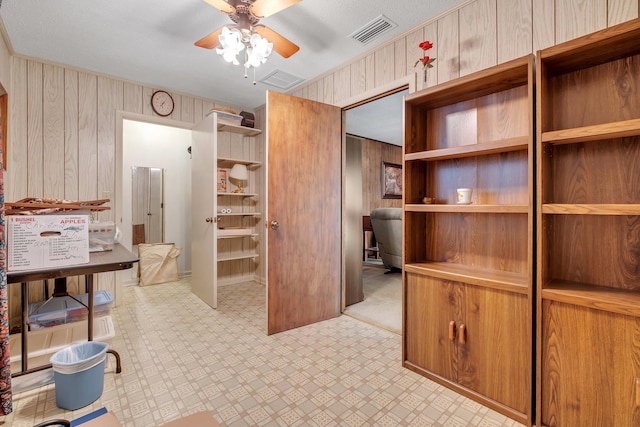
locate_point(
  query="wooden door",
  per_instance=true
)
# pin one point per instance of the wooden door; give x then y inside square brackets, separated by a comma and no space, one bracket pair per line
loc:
[590,367]
[203,211]
[496,359]
[304,244]
[430,308]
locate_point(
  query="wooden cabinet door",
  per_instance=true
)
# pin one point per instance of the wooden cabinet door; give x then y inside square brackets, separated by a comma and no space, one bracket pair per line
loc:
[492,337]
[430,307]
[496,358]
[590,367]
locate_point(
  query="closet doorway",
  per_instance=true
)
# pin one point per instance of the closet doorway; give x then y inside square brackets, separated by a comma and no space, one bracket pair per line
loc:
[160,145]
[372,291]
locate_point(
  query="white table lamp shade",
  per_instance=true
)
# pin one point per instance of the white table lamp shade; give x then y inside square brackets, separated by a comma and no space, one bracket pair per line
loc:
[239,172]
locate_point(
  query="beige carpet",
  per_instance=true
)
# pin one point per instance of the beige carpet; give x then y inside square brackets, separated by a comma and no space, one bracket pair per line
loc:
[382,305]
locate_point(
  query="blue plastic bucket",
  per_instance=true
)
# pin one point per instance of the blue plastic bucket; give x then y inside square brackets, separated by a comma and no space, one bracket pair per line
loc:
[78,374]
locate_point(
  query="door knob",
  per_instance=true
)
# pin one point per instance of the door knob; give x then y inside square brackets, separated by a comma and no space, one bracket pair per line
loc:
[275,225]
[210,219]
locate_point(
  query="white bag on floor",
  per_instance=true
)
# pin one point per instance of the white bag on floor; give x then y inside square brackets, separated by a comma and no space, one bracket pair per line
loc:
[158,263]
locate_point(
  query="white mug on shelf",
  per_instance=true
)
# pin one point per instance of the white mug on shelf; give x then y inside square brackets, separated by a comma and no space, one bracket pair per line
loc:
[464,195]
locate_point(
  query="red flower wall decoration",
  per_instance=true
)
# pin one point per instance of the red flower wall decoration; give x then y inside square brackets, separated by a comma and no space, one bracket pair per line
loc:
[426,60]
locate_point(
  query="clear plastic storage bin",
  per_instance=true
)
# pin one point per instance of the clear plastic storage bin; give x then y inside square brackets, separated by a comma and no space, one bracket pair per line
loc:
[61,310]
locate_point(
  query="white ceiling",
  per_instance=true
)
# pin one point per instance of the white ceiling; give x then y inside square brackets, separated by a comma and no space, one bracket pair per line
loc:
[380,120]
[152,41]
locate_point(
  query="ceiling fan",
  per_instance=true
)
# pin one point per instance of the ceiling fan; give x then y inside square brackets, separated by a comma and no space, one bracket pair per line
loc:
[246,15]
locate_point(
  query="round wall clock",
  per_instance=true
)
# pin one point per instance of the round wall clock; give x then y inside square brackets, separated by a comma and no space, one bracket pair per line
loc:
[162,103]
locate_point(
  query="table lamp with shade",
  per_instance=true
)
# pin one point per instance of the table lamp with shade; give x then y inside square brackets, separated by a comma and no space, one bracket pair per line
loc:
[238,176]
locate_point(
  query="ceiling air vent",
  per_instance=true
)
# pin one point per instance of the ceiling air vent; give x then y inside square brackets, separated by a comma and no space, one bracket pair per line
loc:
[373,29]
[281,80]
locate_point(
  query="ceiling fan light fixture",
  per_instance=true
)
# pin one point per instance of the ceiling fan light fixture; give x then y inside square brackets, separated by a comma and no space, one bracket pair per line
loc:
[230,45]
[247,33]
[258,51]
[233,41]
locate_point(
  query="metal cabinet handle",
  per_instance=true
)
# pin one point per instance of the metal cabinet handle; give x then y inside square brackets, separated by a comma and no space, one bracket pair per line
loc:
[210,219]
[275,225]
[452,330]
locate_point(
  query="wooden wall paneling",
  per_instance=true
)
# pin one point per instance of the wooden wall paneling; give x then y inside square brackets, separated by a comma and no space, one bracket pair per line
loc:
[312,92]
[413,53]
[478,38]
[370,72]
[187,107]
[373,153]
[35,179]
[238,147]
[448,47]
[544,24]
[71,141]
[400,59]
[146,101]
[198,113]
[619,11]
[53,131]
[133,98]
[110,99]
[431,34]
[514,29]
[88,135]
[319,84]
[328,89]
[384,64]
[224,145]
[177,107]
[370,170]
[575,18]
[342,84]
[358,76]
[206,107]
[29,77]
[71,146]
[16,173]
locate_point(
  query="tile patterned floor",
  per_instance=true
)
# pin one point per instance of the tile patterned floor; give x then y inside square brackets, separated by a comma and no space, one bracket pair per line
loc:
[179,356]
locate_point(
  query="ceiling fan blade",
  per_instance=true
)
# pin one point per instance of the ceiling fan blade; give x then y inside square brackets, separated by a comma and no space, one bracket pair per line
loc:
[263,8]
[221,5]
[210,41]
[283,46]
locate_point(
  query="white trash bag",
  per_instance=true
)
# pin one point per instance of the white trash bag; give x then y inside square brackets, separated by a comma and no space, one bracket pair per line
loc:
[79,357]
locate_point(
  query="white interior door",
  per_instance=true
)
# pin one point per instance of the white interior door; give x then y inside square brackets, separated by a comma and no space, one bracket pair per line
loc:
[203,212]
